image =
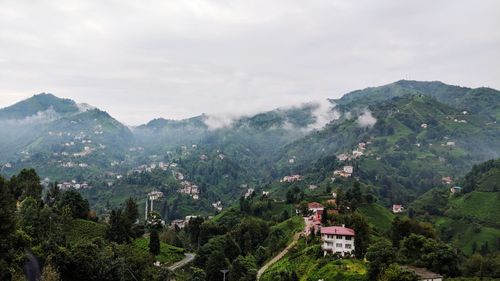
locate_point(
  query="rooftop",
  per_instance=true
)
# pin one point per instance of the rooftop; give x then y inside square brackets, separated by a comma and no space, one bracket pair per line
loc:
[315,205]
[422,273]
[337,230]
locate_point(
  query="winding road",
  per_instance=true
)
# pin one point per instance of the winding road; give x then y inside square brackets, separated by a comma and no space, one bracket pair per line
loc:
[278,256]
[189,257]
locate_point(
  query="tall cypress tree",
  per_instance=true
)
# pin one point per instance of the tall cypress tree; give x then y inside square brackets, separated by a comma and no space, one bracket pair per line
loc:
[131,212]
[154,242]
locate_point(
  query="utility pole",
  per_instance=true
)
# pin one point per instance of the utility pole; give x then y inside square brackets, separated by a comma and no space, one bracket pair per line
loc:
[224,271]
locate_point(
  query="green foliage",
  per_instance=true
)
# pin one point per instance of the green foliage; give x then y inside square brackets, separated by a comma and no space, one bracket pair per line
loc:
[243,268]
[483,266]
[483,177]
[79,230]
[425,252]
[98,260]
[198,274]
[396,273]
[154,243]
[26,184]
[78,205]
[7,229]
[215,263]
[119,229]
[403,227]
[50,272]
[308,263]
[168,253]
[281,235]
[223,243]
[131,211]
[380,255]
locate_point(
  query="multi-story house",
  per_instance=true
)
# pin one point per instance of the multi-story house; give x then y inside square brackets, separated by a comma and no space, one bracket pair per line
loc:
[337,239]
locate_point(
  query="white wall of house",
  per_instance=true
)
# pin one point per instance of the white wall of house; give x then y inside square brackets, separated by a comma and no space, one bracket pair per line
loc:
[332,243]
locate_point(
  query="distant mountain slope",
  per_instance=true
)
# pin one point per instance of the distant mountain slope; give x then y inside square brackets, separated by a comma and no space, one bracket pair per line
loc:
[60,138]
[414,141]
[415,133]
[38,104]
[478,101]
[471,216]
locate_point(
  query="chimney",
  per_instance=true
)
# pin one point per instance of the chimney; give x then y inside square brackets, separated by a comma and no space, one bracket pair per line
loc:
[343,225]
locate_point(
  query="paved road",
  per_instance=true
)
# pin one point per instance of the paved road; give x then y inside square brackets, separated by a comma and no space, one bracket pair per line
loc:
[278,256]
[189,257]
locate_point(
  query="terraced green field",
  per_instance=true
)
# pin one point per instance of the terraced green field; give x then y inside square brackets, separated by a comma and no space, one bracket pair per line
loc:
[168,253]
[378,216]
[482,206]
[310,265]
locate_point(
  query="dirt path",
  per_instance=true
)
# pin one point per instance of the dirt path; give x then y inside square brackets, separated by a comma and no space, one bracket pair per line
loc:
[278,256]
[187,259]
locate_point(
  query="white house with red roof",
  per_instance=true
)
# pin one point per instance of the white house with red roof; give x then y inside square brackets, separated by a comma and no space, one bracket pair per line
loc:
[337,239]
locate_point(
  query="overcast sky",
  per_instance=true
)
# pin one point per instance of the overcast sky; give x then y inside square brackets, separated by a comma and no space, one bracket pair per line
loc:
[144,59]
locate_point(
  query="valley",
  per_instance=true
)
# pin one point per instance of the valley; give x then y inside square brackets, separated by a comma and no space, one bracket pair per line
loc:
[406,165]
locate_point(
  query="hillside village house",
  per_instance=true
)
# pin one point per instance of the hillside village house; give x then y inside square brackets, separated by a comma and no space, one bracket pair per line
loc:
[446,180]
[313,222]
[424,274]
[346,172]
[455,189]
[337,239]
[396,209]
[316,209]
[292,178]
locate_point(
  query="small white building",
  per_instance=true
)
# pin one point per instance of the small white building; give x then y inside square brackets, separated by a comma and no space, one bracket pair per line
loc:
[396,209]
[337,239]
[348,169]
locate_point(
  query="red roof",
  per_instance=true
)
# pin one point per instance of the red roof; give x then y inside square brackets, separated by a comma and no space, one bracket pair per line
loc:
[315,205]
[337,230]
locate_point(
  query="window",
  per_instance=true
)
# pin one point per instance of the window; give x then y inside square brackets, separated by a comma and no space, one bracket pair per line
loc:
[348,246]
[329,244]
[339,236]
[338,245]
[348,238]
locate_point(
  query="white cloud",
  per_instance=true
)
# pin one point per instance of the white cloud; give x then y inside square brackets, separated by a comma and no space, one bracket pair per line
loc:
[219,121]
[366,119]
[40,117]
[324,113]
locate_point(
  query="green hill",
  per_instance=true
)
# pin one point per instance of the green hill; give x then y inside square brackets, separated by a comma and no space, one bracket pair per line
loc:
[308,263]
[379,217]
[38,103]
[470,217]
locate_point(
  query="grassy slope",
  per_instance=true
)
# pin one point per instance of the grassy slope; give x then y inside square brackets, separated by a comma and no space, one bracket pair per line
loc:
[80,231]
[468,218]
[465,234]
[305,262]
[482,206]
[168,253]
[83,230]
[290,227]
[378,216]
